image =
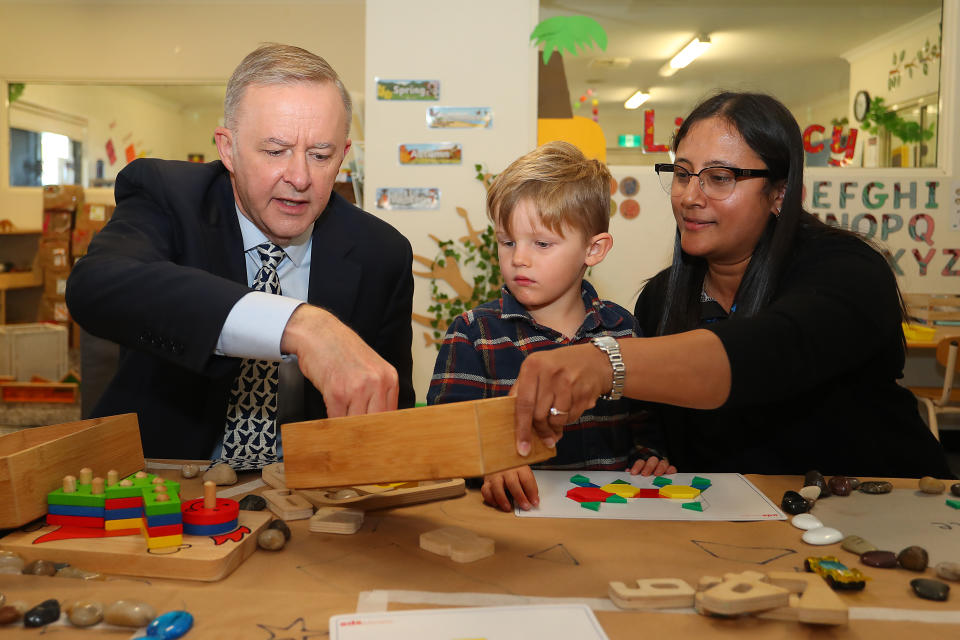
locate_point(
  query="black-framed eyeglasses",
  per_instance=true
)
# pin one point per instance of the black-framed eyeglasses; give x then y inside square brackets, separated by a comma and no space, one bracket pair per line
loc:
[717,183]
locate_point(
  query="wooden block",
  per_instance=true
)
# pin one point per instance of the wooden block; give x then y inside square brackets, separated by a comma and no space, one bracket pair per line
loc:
[205,558]
[64,392]
[733,597]
[462,545]
[288,505]
[336,520]
[708,581]
[652,593]
[273,476]
[818,603]
[461,439]
[403,494]
[790,613]
[34,461]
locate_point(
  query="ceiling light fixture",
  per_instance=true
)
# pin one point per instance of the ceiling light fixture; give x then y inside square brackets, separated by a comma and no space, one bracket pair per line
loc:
[688,54]
[637,99]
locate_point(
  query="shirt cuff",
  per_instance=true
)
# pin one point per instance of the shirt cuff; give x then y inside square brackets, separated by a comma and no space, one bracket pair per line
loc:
[254,327]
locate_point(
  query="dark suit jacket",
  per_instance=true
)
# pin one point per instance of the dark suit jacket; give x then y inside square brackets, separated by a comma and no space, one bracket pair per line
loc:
[162,276]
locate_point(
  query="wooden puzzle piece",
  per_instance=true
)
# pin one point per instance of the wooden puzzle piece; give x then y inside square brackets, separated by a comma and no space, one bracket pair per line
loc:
[288,505]
[652,593]
[743,595]
[336,520]
[817,602]
[462,545]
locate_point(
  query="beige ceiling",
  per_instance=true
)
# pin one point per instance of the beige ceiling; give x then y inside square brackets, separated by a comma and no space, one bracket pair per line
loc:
[790,48]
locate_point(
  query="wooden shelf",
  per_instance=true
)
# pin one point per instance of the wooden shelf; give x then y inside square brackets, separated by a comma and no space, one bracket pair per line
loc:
[21,279]
[21,232]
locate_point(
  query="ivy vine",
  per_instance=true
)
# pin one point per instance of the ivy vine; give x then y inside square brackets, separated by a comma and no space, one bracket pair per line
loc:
[879,117]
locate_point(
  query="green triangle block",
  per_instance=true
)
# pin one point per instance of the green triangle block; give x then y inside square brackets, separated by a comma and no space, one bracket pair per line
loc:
[692,506]
[577,479]
[660,481]
[950,503]
[621,499]
[697,480]
[619,481]
[595,506]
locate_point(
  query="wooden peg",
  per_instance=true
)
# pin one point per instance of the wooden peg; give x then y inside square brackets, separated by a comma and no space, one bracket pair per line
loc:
[158,480]
[209,495]
[652,593]
[96,486]
[86,475]
[140,474]
[69,484]
[161,497]
[112,477]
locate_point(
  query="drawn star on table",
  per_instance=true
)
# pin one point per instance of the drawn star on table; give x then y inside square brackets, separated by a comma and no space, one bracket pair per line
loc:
[291,633]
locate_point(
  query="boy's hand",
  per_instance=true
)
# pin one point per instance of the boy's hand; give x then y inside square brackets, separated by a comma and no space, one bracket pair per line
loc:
[652,466]
[521,484]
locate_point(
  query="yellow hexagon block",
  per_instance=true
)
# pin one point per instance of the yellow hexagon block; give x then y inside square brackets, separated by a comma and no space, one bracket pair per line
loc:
[622,490]
[679,491]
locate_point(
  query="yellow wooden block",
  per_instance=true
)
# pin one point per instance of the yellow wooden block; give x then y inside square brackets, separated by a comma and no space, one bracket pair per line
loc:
[165,541]
[126,523]
[622,490]
[679,491]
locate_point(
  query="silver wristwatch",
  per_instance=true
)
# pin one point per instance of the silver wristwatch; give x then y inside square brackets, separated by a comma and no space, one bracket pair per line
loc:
[611,347]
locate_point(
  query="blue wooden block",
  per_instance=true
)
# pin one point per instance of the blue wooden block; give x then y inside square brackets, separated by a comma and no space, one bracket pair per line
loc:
[123,514]
[209,529]
[74,510]
[164,519]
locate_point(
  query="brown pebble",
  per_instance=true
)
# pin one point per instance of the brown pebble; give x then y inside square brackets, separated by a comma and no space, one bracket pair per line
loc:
[189,470]
[949,571]
[840,485]
[879,559]
[12,612]
[220,474]
[84,613]
[913,558]
[875,486]
[40,568]
[129,613]
[931,485]
[271,540]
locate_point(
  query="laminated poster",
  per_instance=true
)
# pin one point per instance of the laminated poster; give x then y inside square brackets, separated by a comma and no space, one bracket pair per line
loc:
[408,89]
[408,198]
[431,153]
[459,117]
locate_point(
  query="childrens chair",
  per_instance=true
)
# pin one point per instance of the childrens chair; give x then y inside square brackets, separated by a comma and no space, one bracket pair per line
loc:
[943,400]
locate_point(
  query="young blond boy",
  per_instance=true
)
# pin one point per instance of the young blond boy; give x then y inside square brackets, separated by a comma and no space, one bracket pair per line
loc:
[551,211]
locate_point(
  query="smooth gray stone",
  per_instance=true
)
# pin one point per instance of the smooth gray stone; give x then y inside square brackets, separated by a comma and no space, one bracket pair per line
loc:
[949,571]
[85,613]
[282,527]
[129,613]
[930,589]
[271,540]
[955,489]
[40,568]
[11,562]
[253,503]
[857,545]
[221,474]
[875,486]
[913,558]
[189,470]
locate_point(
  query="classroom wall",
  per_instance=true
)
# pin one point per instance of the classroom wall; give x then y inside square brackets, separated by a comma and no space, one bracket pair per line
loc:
[158,41]
[411,40]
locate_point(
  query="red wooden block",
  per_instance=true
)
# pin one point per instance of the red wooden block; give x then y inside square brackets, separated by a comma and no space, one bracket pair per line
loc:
[194,513]
[165,530]
[123,503]
[75,521]
[110,533]
[648,493]
[588,494]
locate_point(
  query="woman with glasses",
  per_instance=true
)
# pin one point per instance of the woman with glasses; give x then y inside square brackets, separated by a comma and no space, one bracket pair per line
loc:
[775,341]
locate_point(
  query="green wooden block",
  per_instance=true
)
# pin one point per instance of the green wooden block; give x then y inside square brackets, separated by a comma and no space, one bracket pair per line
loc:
[80,498]
[692,506]
[700,483]
[152,508]
[660,481]
[953,503]
[593,506]
[616,498]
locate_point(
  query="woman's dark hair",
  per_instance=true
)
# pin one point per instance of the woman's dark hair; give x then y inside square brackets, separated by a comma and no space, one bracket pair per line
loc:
[771,131]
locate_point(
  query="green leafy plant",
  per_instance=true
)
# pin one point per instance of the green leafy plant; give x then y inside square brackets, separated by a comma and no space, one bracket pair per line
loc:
[879,117]
[568,33]
[15,90]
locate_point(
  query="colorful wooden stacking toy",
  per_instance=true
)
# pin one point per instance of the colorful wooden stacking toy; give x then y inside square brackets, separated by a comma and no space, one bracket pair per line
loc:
[210,515]
[139,503]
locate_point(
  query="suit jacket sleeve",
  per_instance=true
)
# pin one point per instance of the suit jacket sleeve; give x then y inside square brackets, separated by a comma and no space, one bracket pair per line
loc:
[150,280]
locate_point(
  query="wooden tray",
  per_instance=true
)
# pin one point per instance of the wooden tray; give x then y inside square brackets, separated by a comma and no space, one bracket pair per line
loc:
[198,558]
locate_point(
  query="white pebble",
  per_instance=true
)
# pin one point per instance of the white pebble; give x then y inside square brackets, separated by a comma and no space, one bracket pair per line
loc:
[805,521]
[822,535]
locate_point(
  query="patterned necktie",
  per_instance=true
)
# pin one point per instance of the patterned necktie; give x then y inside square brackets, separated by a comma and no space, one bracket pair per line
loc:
[250,438]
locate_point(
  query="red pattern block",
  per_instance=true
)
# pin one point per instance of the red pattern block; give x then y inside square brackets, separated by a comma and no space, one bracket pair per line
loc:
[75,521]
[194,513]
[648,493]
[588,494]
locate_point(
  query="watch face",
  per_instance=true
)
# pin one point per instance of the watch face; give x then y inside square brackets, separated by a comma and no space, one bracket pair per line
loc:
[861,103]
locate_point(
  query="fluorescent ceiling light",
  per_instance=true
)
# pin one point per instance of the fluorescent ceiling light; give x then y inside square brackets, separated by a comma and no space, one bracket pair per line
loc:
[688,54]
[636,99]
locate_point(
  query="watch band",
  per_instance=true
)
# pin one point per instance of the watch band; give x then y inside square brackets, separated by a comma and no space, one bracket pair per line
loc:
[611,347]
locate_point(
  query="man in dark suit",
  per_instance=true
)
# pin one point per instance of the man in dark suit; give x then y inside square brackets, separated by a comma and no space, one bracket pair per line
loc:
[169,278]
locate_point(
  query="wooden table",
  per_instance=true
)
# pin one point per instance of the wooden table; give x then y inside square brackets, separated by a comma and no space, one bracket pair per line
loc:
[940,333]
[292,593]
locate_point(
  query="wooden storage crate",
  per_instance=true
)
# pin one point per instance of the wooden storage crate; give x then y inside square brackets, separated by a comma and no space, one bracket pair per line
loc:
[33,461]
[34,349]
[929,308]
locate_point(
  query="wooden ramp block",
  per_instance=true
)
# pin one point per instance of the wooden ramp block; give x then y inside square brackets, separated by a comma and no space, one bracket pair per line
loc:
[369,497]
[288,505]
[462,439]
[652,593]
[462,545]
[818,603]
[733,597]
[336,520]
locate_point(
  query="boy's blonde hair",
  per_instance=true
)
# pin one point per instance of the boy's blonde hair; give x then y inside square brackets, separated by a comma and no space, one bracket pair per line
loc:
[564,186]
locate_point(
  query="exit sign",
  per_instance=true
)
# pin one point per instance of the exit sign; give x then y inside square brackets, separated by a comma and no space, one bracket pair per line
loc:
[630,140]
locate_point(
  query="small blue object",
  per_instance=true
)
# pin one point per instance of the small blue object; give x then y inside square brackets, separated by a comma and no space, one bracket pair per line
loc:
[170,625]
[164,519]
[74,510]
[123,514]
[209,529]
